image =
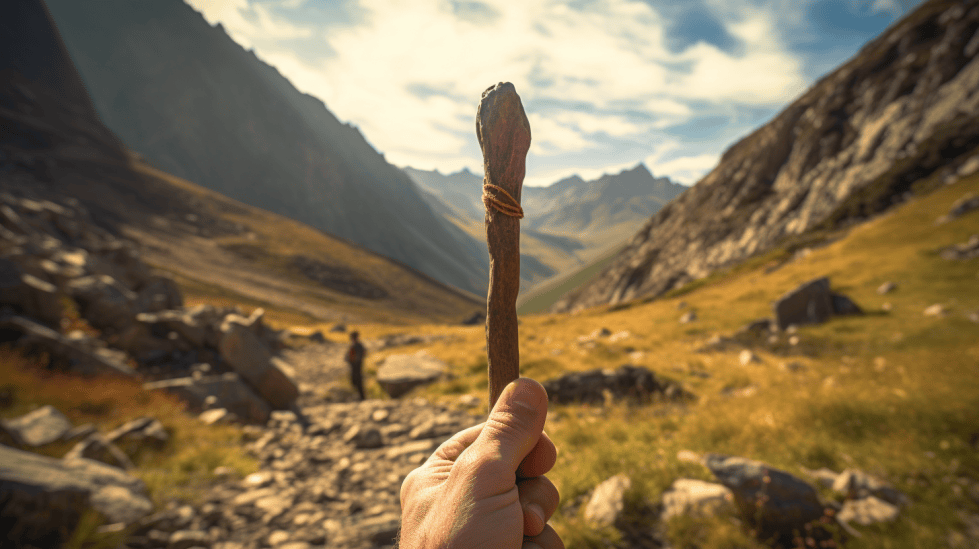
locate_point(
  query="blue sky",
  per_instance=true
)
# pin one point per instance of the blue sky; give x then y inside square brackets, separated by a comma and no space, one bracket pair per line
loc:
[606,83]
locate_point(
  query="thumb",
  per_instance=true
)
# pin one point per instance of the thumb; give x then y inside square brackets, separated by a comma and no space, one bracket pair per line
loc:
[515,424]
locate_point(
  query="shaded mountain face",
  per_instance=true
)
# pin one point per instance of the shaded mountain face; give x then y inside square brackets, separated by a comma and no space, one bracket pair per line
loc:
[54,147]
[566,223]
[903,109]
[53,143]
[197,105]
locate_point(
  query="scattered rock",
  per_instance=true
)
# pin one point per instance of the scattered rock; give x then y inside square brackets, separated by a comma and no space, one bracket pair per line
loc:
[960,207]
[44,498]
[42,426]
[339,328]
[362,437]
[774,502]
[886,288]
[227,389]
[792,366]
[29,295]
[958,252]
[697,498]
[97,447]
[627,381]
[607,502]
[399,374]
[216,415]
[144,431]
[104,301]
[64,353]
[867,511]
[855,484]
[754,330]
[186,539]
[747,357]
[688,317]
[937,309]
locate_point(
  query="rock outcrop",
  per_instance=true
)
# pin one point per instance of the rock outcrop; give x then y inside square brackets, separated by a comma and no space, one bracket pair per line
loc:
[44,498]
[904,108]
[597,386]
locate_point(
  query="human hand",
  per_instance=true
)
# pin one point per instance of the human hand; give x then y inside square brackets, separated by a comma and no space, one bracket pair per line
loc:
[485,487]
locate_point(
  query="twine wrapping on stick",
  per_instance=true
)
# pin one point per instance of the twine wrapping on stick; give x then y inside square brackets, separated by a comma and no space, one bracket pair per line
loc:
[504,137]
[510,206]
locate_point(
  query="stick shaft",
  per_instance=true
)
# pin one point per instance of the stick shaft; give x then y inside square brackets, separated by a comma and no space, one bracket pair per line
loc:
[502,348]
[504,137]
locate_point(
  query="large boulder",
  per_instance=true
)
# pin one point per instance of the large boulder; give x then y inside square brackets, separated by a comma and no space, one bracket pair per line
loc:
[65,353]
[104,301]
[43,498]
[399,374]
[272,378]
[227,390]
[811,303]
[42,426]
[774,502]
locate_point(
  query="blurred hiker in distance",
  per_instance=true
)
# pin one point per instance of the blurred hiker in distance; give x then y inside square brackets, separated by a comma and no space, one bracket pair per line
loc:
[355,358]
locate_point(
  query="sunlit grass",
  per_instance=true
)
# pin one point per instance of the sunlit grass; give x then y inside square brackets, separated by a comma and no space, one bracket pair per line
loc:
[891,393]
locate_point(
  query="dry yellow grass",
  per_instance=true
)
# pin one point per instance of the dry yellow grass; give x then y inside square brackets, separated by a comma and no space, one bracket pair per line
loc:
[891,393]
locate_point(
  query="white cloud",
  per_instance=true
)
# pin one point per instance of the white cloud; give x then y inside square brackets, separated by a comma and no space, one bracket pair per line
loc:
[608,57]
[685,169]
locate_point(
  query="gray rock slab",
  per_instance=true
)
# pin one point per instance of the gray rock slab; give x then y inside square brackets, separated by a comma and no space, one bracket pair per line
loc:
[46,496]
[271,378]
[42,426]
[402,373]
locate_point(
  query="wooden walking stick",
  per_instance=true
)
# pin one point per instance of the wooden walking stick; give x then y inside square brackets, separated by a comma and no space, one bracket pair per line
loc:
[504,137]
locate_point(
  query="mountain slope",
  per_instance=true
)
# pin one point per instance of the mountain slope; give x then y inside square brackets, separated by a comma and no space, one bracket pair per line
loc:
[195,104]
[905,107]
[53,146]
[567,224]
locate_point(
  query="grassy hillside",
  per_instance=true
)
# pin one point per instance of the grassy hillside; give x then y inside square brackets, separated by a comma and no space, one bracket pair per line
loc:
[892,393]
[299,274]
[541,296]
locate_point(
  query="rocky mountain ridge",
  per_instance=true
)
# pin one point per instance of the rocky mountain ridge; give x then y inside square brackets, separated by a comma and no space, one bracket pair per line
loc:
[567,224]
[203,108]
[905,109]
